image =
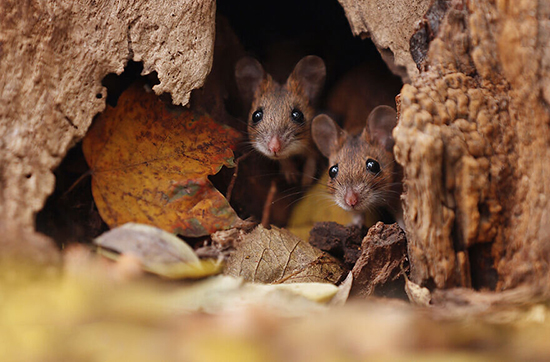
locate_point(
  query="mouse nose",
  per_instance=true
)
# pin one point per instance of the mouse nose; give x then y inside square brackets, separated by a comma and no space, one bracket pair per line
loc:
[351,198]
[274,145]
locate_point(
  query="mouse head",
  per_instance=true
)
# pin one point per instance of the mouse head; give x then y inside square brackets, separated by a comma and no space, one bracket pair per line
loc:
[279,120]
[361,167]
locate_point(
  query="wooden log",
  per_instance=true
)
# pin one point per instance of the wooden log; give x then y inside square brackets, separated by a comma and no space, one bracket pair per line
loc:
[53,57]
[474,140]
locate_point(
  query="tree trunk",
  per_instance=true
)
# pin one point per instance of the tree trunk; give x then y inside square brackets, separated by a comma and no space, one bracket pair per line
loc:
[473,138]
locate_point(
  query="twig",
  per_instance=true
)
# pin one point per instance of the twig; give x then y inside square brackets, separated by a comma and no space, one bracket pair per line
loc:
[234,177]
[82,177]
[266,214]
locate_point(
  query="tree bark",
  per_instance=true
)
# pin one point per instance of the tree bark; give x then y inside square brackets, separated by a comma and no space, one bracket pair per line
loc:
[390,24]
[53,57]
[473,138]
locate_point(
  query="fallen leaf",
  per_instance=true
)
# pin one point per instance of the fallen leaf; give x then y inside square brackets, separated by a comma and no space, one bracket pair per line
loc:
[317,292]
[226,293]
[417,295]
[278,256]
[342,295]
[158,251]
[317,205]
[150,165]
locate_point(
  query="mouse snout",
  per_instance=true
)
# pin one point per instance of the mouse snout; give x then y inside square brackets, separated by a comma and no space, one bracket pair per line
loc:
[351,198]
[274,145]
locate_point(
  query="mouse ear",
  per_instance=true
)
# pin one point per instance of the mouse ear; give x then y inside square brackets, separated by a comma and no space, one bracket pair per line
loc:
[325,133]
[310,73]
[380,124]
[248,74]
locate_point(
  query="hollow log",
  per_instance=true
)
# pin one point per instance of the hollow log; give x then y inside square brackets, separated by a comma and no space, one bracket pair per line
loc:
[390,24]
[473,135]
[53,57]
[473,138]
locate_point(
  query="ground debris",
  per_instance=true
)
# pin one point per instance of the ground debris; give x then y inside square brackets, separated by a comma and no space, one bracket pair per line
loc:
[339,241]
[277,256]
[382,264]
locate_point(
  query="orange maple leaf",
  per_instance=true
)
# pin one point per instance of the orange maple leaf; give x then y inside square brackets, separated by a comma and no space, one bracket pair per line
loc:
[150,165]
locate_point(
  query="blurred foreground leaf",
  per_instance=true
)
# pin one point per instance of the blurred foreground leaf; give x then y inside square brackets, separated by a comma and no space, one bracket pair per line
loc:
[90,317]
[158,251]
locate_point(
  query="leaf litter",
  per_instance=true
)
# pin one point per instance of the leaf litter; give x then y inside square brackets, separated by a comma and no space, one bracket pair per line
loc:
[85,313]
[149,166]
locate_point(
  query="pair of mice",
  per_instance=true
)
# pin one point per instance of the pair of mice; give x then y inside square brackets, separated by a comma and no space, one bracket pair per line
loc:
[363,175]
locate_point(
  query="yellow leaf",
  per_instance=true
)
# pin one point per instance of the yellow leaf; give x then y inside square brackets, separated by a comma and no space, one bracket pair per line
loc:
[150,165]
[316,206]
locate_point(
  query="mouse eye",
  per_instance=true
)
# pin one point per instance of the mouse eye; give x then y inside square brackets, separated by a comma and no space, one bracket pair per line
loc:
[297,116]
[333,171]
[373,166]
[257,116]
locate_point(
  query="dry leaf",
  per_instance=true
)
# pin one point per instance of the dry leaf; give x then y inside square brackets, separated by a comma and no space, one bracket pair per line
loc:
[278,256]
[158,251]
[150,165]
[342,295]
[226,293]
[417,295]
[317,292]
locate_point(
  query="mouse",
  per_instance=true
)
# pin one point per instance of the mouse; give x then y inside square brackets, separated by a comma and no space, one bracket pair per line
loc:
[363,174]
[280,116]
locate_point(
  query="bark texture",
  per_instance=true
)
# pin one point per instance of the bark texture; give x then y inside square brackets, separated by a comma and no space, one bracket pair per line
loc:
[382,263]
[53,56]
[473,138]
[342,242]
[390,24]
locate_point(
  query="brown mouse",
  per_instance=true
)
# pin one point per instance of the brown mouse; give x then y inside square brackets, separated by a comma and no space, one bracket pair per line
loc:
[363,174]
[279,120]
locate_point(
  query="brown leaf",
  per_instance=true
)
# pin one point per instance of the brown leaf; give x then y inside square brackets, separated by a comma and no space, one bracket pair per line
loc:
[278,256]
[150,165]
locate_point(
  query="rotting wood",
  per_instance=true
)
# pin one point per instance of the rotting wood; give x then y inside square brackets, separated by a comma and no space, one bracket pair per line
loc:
[53,56]
[382,263]
[473,138]
[390,24]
